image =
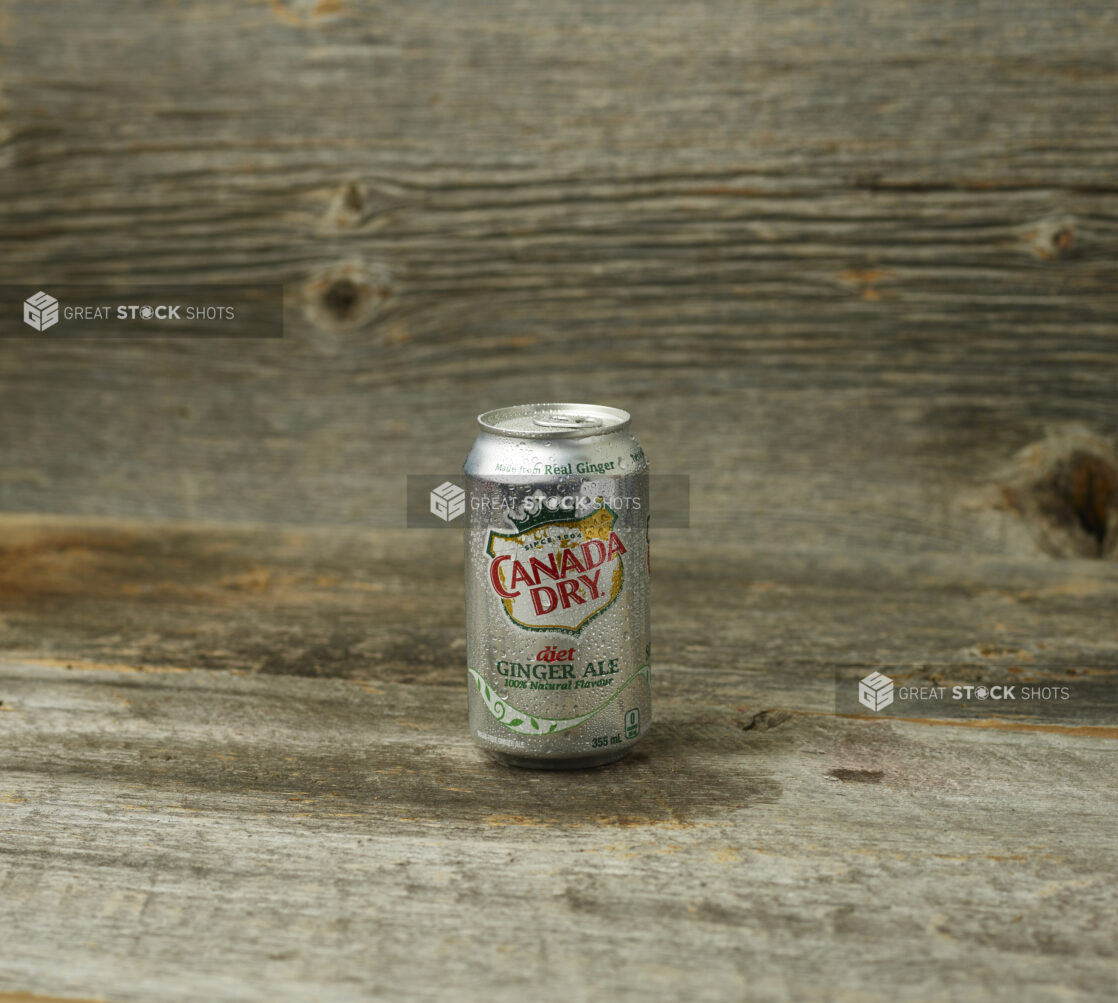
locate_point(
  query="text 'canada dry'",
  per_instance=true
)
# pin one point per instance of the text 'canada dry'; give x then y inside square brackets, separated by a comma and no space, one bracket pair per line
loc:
[557,592]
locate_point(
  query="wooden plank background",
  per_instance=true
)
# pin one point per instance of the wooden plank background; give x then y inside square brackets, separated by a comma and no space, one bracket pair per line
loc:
[853,268]
[841,263]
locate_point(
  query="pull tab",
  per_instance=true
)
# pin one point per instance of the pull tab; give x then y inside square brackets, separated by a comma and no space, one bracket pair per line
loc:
[567,421]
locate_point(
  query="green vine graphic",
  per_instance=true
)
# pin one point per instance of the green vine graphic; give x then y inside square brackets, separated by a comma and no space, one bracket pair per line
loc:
[528,724]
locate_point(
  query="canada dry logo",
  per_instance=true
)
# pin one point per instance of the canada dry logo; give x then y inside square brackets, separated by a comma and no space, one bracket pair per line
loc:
[40,311]
[557,574]
[448,501]
[875,691]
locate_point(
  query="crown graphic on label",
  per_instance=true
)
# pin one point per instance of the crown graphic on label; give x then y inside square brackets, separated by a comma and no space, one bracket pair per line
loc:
[545,515]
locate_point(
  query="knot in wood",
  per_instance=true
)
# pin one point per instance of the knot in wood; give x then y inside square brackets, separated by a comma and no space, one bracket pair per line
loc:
[347,297]
[349,207]
[1065,487]
[1051,238]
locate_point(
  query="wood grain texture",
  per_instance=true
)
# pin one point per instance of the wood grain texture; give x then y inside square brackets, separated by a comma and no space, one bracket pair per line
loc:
[29,998]
[198,834]
[855,269]
[234,765]
[387,605]
[842,264]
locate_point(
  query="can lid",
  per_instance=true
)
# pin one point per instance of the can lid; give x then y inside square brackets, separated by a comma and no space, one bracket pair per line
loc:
[553,421]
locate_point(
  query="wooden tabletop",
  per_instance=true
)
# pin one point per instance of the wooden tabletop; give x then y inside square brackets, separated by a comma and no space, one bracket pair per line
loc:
[235,765]
[852,268]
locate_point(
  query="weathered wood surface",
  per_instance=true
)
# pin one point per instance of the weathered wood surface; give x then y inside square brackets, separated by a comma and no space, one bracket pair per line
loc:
[191,807]
[388,604]
[196,835]
[855,269]
[842,263]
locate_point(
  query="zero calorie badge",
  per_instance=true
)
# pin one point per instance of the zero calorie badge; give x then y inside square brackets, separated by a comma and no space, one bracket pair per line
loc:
[557,574]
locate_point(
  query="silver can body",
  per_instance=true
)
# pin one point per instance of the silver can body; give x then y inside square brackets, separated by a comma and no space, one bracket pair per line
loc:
[557,586]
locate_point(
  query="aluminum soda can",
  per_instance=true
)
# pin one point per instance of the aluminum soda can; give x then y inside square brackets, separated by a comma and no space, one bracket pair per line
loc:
[557,586]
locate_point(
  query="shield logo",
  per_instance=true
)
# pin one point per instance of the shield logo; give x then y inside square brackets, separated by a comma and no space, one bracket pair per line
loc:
[560,574]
